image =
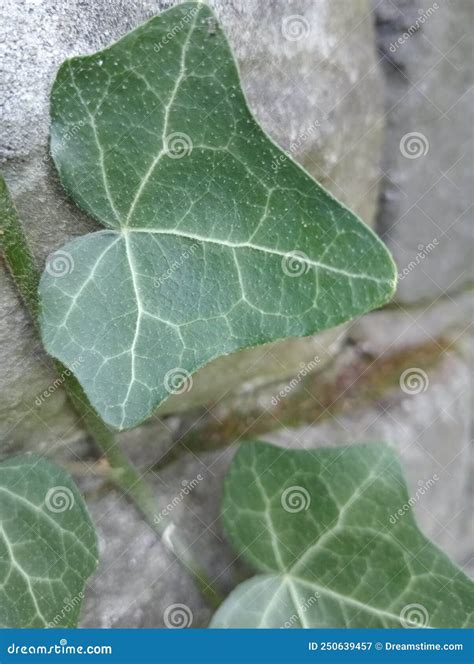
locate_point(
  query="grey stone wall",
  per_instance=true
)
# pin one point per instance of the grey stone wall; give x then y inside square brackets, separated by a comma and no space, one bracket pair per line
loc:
[350,78]
[427,160]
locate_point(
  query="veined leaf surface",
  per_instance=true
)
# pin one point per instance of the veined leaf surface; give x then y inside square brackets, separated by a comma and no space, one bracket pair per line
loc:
[333,534]
[48,546]
[215,240]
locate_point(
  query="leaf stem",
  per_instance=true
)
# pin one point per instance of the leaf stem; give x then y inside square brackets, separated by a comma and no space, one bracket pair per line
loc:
[124,474]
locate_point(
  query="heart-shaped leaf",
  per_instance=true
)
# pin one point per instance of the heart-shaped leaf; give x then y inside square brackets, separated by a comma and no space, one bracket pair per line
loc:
[333,533]
[216,239]
[48,546]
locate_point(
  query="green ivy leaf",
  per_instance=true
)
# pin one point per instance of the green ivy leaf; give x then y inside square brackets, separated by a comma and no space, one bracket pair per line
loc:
[215,240]
[333,533]
[48,545]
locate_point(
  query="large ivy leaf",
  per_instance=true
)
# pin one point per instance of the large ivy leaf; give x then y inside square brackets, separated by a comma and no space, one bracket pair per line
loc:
[216,240]
[48,545]
[333,533]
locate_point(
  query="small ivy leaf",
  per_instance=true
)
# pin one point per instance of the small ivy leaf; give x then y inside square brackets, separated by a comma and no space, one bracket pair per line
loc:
[48,545]
[334,536]
[216,240]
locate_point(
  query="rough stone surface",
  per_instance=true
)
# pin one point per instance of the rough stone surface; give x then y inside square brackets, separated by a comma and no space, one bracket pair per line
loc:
[25,375]
[318,96]
[387,331]
[428,184]
[138,578]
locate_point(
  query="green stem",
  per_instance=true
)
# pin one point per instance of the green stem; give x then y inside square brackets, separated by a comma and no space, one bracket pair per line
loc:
[22,268]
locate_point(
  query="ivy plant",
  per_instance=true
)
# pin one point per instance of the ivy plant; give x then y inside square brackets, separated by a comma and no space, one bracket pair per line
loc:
[320,526]
[206,249]
[154,139]
[48,546]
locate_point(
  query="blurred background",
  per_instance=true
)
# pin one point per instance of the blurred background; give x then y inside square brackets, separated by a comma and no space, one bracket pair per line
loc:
[375,100]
